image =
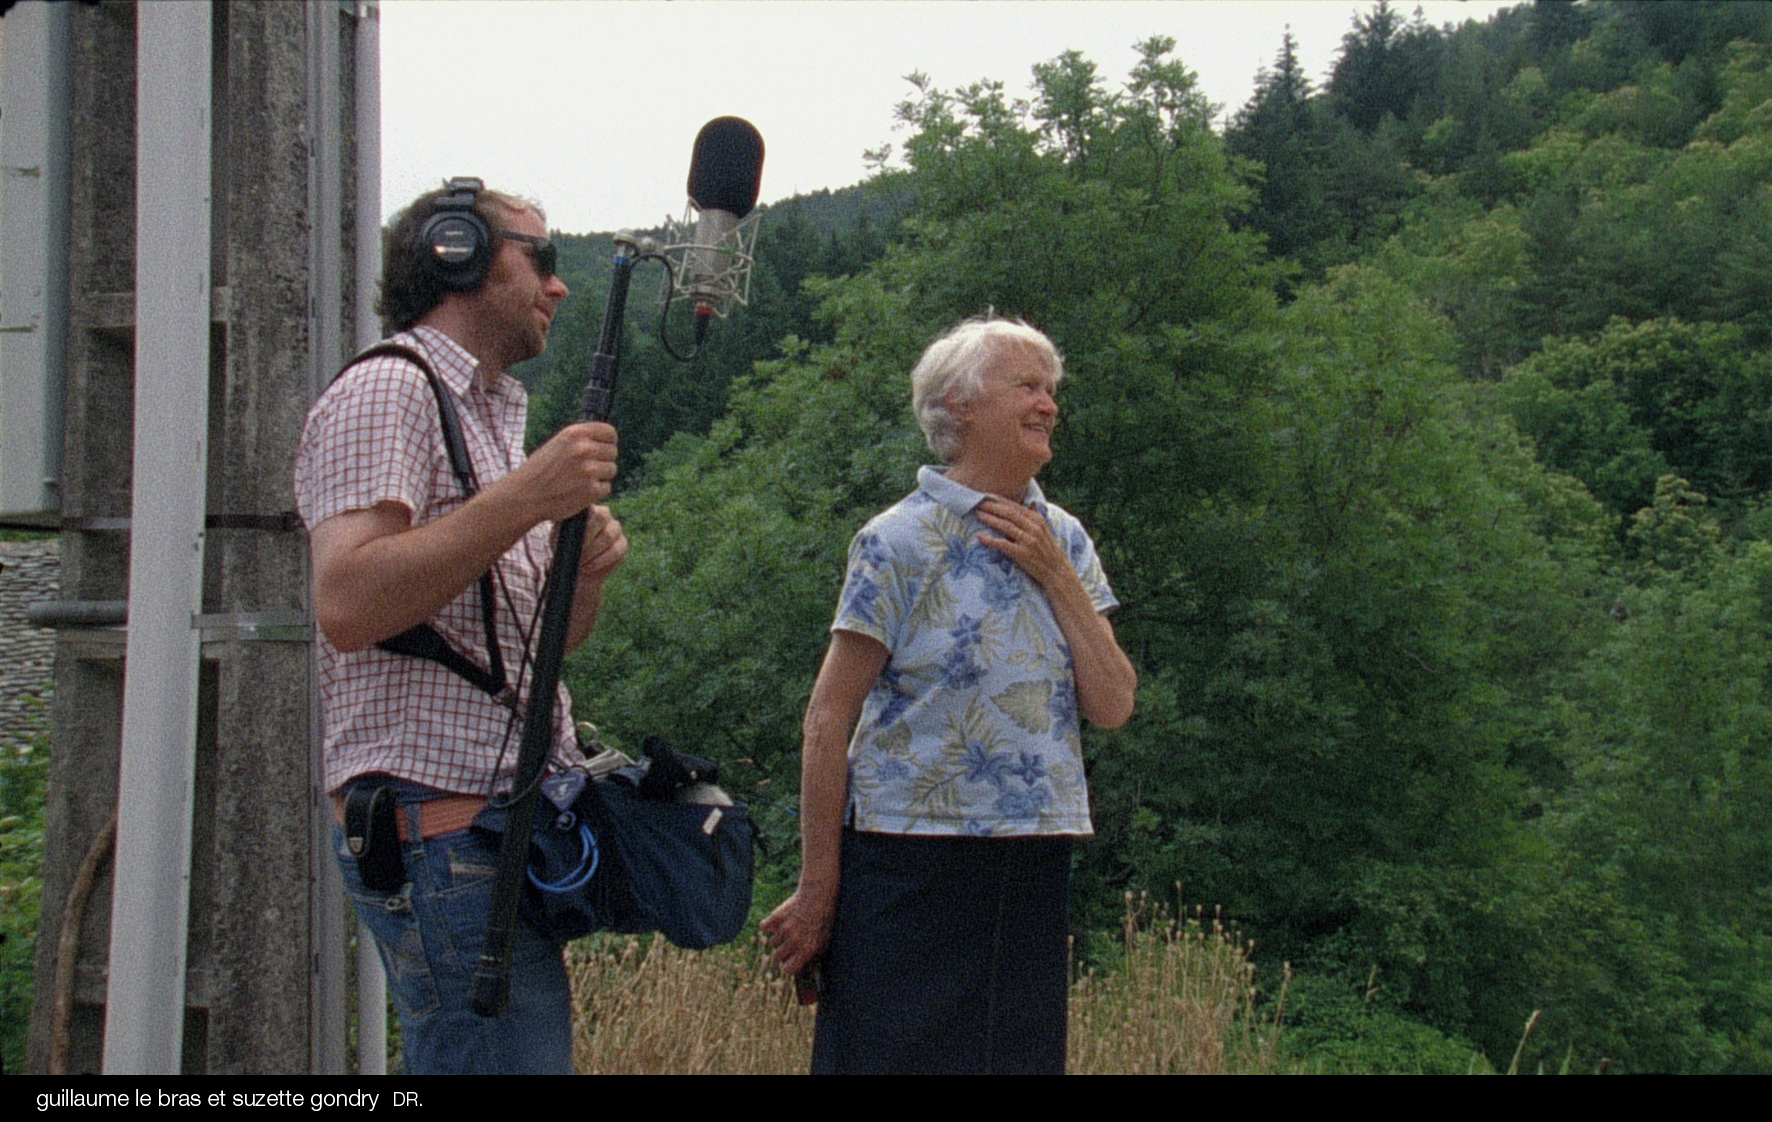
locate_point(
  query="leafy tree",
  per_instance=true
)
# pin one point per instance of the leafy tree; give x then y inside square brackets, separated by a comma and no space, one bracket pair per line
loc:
[1355,709]
[1659,956]
[1635,402]
[1469,264]
[1367,183]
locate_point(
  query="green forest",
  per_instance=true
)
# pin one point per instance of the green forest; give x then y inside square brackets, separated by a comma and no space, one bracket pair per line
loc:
[1421,417]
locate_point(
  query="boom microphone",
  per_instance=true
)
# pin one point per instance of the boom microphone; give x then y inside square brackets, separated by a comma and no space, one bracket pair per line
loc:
[723,180]
[725,174]
[727,167]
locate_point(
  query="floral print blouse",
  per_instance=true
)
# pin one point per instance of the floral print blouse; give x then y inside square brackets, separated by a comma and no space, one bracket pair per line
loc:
[972,727]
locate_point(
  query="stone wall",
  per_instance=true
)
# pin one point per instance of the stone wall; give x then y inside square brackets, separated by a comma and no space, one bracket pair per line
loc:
[30,573]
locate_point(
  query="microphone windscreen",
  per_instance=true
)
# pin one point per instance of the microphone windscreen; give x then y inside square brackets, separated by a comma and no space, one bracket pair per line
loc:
[726,171]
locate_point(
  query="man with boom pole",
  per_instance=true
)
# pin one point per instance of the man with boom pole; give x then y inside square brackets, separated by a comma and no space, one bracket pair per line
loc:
[432,535]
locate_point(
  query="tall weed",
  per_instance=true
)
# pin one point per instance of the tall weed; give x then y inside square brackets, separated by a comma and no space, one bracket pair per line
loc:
[1182,1000]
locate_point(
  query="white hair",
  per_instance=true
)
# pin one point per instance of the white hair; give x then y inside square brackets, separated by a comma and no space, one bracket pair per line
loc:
[951,372]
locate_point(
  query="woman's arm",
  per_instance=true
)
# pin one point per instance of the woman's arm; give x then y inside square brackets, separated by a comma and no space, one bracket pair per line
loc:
[799,929]
[1106,682]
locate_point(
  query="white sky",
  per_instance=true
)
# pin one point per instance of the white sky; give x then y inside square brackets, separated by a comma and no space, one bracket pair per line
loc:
[592,108]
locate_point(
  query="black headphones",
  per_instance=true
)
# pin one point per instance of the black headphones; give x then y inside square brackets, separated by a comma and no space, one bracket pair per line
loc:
[457,242]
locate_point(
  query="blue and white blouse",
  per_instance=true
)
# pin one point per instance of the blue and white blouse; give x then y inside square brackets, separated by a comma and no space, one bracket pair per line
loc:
[972,727]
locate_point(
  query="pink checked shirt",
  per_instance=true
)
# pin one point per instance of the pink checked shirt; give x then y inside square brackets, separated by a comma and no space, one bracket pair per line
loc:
[373,437]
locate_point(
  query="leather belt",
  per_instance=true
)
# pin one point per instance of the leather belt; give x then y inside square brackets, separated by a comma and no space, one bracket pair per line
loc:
[436,817]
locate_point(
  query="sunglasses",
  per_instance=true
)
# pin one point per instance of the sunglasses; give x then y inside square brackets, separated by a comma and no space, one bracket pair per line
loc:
[546,254]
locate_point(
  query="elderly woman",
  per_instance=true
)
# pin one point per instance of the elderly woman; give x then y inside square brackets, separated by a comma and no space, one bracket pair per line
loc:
[969,639]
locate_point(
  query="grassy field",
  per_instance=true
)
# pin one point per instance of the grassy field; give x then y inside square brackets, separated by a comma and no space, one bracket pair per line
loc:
[1179,998]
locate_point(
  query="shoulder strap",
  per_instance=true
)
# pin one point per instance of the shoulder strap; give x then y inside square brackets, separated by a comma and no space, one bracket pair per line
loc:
[459,462]
[423,640]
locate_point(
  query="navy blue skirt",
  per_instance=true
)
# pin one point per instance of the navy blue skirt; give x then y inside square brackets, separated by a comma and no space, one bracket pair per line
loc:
[948,956]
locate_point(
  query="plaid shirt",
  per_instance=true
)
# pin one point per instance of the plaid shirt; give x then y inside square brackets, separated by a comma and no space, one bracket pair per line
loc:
[375,437]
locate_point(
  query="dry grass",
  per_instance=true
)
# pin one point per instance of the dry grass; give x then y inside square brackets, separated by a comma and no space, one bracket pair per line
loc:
[653,1010]
[1183,1002]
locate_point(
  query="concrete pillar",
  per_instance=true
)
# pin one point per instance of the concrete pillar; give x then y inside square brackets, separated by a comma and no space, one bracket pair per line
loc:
[98,447]
[262,924]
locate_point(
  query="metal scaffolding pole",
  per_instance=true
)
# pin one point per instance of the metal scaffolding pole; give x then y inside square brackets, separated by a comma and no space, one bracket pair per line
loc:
[145,994]
[372,983]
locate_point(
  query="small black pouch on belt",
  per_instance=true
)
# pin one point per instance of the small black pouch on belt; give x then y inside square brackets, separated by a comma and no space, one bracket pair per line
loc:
[372,832]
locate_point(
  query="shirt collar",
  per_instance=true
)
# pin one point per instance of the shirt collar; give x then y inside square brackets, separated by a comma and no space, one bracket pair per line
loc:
[453,363]
[960,498]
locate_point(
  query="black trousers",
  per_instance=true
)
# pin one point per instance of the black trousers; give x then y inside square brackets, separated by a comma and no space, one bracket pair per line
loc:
[948,956]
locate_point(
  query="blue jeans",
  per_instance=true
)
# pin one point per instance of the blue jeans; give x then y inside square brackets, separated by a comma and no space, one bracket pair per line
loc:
[429,933]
